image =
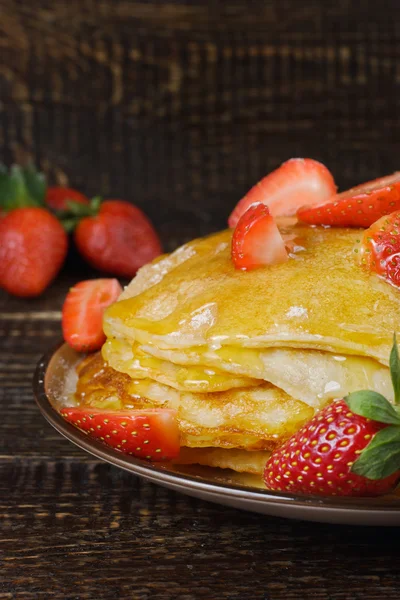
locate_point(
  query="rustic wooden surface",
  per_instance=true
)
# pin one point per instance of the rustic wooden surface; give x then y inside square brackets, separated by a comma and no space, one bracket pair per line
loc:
[179,106]
[75,528]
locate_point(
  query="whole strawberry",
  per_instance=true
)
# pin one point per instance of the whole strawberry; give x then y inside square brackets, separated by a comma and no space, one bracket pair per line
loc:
[117,239]
[33,246]
[349,448]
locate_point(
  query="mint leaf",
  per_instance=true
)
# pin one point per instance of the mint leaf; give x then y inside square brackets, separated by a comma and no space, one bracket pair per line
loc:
[372,405]
[381,457]
[394,363]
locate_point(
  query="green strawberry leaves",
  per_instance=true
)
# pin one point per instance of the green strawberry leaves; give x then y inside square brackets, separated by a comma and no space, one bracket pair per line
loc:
[374,406]
[394,363]
[76,211]
[21,187]
[35,183]
[381,457]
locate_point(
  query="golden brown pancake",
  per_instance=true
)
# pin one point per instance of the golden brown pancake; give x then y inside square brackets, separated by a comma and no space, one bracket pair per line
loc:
[256,418]
[311,376]
[139,364]
[245,358]
[319,299]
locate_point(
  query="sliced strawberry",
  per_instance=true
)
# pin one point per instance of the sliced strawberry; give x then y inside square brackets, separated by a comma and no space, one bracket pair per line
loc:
[82,313]
[151,434]
[58,197]
[380,248]
[358,207]
[256,240]
[296,182]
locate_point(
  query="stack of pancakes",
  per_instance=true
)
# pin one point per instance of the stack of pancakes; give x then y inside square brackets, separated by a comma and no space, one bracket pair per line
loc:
[245,358]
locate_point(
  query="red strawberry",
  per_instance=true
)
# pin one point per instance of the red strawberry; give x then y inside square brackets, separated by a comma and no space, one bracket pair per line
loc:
[350,448]
[82,313]
[151,434]
[256,240]
[380,248]
[296,182]
[33,246]
[358,207]
[119,239]
[58,198]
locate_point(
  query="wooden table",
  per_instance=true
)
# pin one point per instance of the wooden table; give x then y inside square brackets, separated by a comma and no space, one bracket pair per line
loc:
[179,106]
[75,528]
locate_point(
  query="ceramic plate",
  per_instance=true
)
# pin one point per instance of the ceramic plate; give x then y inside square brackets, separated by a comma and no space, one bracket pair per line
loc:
[55,378]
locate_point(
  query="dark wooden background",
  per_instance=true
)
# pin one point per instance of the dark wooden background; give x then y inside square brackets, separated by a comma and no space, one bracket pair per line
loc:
[179,106]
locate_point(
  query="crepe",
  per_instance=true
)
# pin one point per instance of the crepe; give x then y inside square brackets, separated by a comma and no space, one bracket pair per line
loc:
[245,358]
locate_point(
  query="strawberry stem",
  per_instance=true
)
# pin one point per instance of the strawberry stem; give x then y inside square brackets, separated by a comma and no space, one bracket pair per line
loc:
[21,187]
[76,211]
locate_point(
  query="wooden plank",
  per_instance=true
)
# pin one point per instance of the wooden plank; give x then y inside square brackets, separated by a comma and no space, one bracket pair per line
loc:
[92,531]
[180,107]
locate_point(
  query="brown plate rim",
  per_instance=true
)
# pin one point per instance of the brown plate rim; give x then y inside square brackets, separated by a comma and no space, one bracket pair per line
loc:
[158,473]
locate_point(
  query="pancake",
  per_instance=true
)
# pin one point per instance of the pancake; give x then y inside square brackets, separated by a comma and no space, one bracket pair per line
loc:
[235,460]
[319,299]
[255,418]
[139,364]
[245,358]
[311,376]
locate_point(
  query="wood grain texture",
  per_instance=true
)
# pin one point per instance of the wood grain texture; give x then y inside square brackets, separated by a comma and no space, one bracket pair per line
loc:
[180,106]
[74,528]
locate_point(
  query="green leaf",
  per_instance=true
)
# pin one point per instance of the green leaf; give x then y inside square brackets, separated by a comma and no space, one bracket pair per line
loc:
[394,363]
[69,224]
[95,204]
[35,183]
[7,190]
[78,209]
[14,188]
[372,405]
[381,457]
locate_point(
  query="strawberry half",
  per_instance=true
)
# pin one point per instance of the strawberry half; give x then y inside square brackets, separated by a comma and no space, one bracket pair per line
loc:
[83,310]
[349,448]
[358,207]
[151,434]
[296,182]
[380,248]
[256,240]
